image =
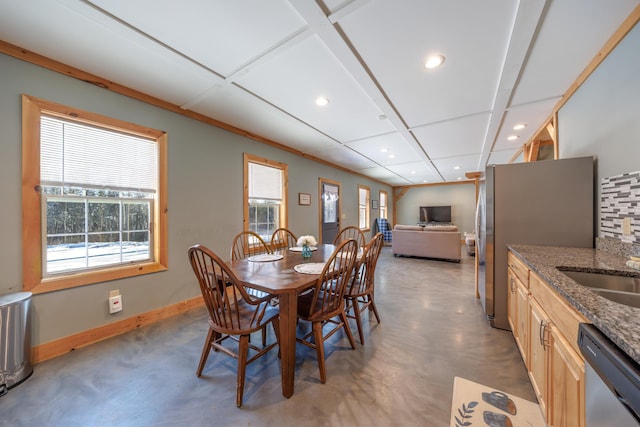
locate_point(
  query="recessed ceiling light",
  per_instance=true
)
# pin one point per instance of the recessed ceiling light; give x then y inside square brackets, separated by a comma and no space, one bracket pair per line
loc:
[519,126]
[392,156]
[413,172]
[321,101]
[382,117]
[434,61]
[456,167]
[384,150]
[513,137]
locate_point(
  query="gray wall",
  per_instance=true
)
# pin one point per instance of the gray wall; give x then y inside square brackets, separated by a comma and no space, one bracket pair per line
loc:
[461,198]
[205,198]
[603,117]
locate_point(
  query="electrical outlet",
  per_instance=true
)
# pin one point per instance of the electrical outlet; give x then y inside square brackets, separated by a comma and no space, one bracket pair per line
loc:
[115,301]
[626,226]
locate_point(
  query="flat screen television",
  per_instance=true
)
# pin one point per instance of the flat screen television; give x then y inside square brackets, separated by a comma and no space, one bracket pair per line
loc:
[435,214]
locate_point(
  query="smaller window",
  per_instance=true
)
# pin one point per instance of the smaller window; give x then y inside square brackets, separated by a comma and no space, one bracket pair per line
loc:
[383,204]
[265,197]
[363,207]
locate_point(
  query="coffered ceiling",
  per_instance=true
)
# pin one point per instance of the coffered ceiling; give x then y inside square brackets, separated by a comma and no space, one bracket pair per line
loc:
[260,65]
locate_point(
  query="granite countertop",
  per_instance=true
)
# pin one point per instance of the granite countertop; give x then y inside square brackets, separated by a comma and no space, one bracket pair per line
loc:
[619,322]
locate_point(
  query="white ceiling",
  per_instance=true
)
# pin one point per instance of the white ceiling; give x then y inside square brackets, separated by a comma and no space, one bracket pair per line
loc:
[259,65]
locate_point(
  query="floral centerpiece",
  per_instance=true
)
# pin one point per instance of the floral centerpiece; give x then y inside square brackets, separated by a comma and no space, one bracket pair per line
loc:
[306,242]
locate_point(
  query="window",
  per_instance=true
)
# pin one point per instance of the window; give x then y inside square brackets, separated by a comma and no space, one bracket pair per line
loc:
[383,205]
[265,195]
[94,199]
[363,207]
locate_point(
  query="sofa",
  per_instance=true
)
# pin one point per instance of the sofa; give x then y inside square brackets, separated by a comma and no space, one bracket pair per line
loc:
[430,241]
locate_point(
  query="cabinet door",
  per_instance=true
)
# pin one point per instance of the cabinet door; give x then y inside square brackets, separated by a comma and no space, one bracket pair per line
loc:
[538,353]
[512,305]
[566,404]
[522,309]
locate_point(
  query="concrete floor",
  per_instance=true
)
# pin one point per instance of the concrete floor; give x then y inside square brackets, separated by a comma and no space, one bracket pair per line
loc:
[432,330]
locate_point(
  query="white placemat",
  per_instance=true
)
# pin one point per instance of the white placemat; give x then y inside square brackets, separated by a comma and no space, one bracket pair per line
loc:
[309,268]
[265,257]
[299,248]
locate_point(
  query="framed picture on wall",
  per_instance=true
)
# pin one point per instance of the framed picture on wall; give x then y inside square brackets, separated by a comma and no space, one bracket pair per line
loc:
[304,199]
[374,204]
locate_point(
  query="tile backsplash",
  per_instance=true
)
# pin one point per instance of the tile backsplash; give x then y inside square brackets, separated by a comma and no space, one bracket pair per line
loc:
[620,200]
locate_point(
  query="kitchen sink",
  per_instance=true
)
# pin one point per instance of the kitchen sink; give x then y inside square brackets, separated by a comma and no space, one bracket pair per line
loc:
[626,298]
[616,288]
[609,282]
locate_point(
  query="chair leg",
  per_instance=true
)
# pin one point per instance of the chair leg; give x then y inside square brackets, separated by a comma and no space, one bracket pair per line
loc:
[357,314]
[347,328]
[275,322]
[243,351]
[372,306]
[317,335]
[205,351]
[264,336]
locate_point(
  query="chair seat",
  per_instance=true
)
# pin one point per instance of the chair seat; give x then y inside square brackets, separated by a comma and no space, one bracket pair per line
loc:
[247,323]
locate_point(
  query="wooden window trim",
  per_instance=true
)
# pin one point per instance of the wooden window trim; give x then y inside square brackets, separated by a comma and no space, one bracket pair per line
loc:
[250,158]
[32,109]
[367,207]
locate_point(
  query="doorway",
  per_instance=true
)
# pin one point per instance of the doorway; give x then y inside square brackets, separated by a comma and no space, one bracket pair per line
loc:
[329,210]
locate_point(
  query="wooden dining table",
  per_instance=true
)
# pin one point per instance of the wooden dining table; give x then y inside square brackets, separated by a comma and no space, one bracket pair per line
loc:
[279,278]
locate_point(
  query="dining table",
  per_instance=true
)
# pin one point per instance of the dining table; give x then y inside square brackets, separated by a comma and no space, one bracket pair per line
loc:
[277,275]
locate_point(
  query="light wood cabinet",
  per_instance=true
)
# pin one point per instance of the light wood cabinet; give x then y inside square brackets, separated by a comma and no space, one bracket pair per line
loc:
[522,306]
[546,330]
[566,407]
[538,355]
[518,313]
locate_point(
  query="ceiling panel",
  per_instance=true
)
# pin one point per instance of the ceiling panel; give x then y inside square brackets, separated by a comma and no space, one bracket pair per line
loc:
[75,34]
[231,105]
[416,172]
[294,79]
[504,156]
[386,149]
[453,137]
[572,33]
[533,115]
[343,155]
[454,168]
[220,34]
[394,38]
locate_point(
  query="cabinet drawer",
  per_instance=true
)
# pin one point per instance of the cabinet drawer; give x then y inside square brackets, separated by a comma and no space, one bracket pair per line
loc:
[565,317]
[519,268]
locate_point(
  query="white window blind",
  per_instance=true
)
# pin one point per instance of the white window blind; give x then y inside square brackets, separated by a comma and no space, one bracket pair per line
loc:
[265,182]
[75,154]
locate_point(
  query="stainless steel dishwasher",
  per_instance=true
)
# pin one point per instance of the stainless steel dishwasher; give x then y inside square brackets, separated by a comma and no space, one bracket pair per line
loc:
[612,381]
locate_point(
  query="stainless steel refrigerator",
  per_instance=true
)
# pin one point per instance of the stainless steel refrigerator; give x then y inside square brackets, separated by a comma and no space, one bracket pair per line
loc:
[547,203]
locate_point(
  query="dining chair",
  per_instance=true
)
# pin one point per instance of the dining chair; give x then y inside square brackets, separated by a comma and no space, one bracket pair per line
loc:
[233,313]
[360,291]
[283,238]
[326,301]
[350,232]
[246,244]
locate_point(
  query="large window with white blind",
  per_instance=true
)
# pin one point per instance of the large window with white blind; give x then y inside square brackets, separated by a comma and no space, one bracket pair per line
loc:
[99,185]
[265,195]
[97,190]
